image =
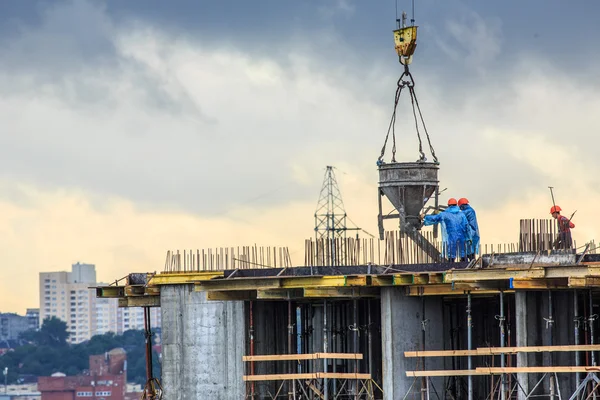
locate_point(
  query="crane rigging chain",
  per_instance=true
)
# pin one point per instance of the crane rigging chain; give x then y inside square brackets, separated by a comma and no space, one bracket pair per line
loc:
[406,81]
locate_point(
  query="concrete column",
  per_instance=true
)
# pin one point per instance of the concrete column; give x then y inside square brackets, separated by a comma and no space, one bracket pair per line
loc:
[202,345]
[401,330]
[521,340]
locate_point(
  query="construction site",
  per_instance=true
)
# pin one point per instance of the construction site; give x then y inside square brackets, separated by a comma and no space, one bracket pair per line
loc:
[398,316]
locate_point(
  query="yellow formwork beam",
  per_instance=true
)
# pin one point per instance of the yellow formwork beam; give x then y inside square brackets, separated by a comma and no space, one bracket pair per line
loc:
[341,292]
[446,289]
[238,284]
[402,279]
[325,281]
[180,278]
[587,281]
[230,295]
[382,280]
[555,283]
[291,282]
[140,301]
[110,292]
[474,275]
[279,294]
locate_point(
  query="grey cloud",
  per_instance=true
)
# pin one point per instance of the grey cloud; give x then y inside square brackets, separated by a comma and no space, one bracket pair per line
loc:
[209,137]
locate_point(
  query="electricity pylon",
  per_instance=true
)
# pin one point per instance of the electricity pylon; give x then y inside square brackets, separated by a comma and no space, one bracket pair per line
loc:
[330,219]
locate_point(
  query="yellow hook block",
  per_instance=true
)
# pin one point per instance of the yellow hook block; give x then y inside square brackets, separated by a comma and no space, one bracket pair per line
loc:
[406,43]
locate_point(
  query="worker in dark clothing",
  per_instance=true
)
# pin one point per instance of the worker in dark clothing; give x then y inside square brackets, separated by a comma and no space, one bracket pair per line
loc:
[455,230]
[564,239]
[473,245]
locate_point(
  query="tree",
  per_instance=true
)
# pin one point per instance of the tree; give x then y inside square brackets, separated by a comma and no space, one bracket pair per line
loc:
[52,333]
[47,351]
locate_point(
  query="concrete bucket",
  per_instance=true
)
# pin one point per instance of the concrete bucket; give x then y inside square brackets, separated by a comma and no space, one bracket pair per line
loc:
[408,186]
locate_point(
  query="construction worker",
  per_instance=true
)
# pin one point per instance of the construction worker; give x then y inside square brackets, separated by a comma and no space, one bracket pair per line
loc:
[564,240]
[455,230]
[473,245]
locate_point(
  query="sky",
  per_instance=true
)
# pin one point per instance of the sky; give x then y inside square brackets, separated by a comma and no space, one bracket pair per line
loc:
[130,128]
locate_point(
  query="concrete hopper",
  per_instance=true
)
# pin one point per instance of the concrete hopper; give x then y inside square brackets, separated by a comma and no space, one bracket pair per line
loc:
[408,186]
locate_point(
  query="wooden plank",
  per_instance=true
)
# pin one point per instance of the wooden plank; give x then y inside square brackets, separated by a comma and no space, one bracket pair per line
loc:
[449,372]
[281,357]
[278,377]
[342,375]
[440,353]
[538,349]
[534,370]
[486,351]
[340,356]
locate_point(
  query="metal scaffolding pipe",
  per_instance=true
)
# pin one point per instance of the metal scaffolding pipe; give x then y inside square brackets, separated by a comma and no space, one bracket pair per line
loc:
[576,334]
[355,340]
[291,384]
[325,380]
[591,321]
[502,344]
[299,331]
[550,343]
[470,344]
[424,388]
[370,337]
[251,327]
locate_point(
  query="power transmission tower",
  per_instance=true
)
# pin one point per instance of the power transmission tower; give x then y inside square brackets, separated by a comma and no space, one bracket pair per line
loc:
[330,220]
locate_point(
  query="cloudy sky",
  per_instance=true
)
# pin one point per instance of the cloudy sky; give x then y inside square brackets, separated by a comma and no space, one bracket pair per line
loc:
[133,127]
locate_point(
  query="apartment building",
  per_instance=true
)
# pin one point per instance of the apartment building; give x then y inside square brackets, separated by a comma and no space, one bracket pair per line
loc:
[66,295]
[33,316]
[12,325]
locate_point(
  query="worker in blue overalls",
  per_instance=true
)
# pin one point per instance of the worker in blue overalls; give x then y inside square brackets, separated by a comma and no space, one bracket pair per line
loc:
[455,230]
[473,245]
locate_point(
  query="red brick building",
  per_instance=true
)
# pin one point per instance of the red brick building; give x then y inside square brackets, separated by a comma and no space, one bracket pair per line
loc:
[107,380]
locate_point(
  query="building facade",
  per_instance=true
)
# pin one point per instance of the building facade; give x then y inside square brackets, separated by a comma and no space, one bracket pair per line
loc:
[33,316]
[107,379]
[12,325]
[67,296]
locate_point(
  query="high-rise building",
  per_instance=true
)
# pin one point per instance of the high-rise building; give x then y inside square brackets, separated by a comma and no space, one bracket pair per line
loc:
[33,316]
[67,296]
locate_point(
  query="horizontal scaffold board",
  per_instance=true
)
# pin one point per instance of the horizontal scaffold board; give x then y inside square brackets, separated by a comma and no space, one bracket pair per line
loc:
[316,375]
[534,370]
[448,372]
[486,351]
[500,371]
[310,356]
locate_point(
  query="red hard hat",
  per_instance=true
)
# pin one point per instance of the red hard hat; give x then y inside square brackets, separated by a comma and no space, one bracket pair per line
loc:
[555,209]
[452,201]
[462,201]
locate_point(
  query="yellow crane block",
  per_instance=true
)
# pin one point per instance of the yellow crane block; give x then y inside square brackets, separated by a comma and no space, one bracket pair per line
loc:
[406,43]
